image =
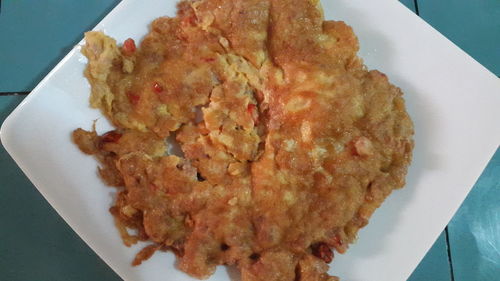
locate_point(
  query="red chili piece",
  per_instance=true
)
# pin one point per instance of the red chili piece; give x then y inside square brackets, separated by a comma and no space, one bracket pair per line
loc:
[129,47]
[157,88]
[133,98]
[322,251]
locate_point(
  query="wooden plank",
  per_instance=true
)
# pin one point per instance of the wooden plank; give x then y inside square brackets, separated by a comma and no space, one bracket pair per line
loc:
[472,25]
[35,35]
[435,264]
[36,244]
[409,3]
[474,231]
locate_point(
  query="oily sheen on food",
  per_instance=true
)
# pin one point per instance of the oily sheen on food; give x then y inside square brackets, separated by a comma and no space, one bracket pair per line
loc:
[288,142]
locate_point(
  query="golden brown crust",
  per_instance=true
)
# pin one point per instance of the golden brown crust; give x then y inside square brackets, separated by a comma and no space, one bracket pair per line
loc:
[297,146]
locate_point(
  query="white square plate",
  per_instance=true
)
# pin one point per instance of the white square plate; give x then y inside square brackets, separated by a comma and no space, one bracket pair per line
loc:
[453,100]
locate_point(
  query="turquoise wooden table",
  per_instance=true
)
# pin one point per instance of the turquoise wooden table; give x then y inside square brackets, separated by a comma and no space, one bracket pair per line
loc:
[36,244]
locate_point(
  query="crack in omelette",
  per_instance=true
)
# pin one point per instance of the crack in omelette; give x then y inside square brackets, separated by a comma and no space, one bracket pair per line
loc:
[297,147]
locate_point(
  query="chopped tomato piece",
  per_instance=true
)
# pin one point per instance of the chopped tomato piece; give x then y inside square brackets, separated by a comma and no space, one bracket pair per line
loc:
[111,136]
[189,20]
[259,96]
[129,47]
[252,110]
[153,187]
[337,241]
[322,251]
[203,129]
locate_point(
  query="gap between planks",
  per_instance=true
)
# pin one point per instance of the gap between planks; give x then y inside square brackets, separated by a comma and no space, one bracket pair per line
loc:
[13,93]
